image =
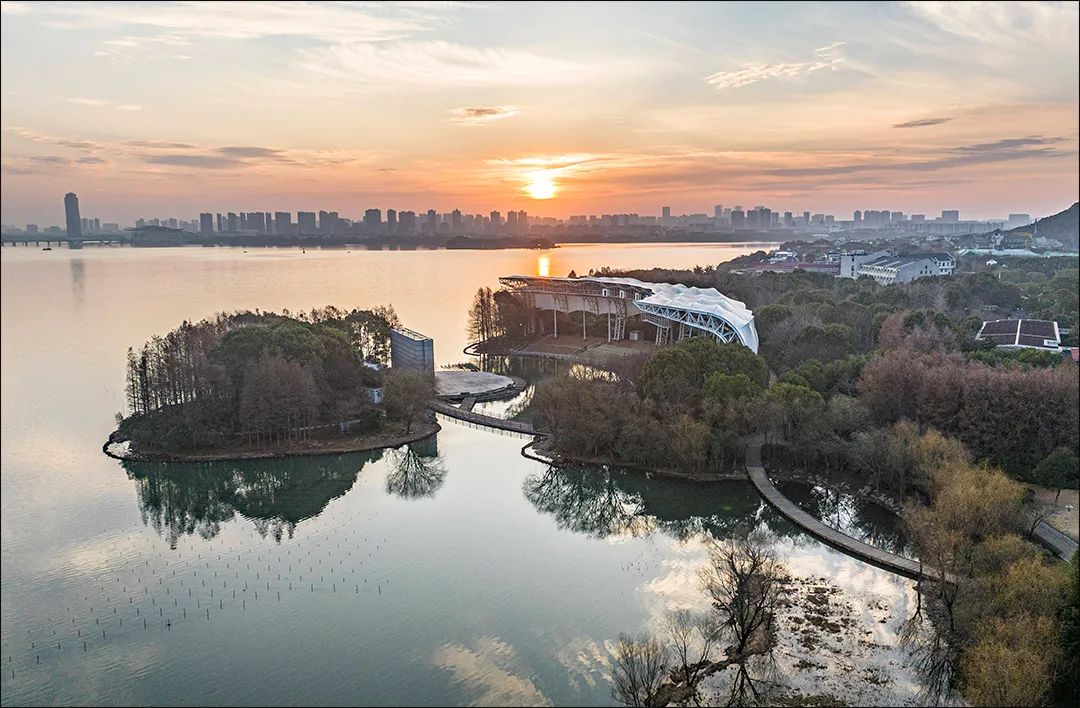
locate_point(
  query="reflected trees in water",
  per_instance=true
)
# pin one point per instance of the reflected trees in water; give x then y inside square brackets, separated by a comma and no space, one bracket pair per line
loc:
[197,498]
[602,502]
[417,470]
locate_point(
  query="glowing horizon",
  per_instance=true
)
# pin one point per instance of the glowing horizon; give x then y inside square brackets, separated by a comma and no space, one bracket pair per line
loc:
[182,107]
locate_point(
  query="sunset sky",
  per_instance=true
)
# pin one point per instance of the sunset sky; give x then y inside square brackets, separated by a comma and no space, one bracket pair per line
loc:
[169,109]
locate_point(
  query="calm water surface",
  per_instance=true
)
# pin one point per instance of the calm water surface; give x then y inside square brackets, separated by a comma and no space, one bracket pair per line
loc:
[455,571]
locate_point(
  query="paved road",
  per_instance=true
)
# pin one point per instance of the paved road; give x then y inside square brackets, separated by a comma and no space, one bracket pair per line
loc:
[1056,540]
[854,547]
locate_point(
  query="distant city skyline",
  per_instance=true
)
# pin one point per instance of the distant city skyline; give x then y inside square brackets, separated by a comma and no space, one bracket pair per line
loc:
[435,223]
[557,110]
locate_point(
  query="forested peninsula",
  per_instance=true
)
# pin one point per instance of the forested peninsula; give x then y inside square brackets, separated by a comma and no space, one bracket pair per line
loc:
[262,384]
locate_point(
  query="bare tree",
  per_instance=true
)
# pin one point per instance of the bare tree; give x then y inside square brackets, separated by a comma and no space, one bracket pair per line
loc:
[637,670]
[693,639]
[743,580]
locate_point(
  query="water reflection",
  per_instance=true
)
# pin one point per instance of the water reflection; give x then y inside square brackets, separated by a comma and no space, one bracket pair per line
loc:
[196,498]
[418,470]
[857,517]
[78,281]
[604,502]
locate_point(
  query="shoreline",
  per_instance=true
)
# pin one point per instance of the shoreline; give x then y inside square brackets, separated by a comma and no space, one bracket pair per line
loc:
[420,431]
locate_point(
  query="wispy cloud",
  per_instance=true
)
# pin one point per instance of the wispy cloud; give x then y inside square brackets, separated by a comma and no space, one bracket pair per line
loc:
[481,115]
[827,57]
[359,22]
[101,103]
[922,123]
[212,162]
[1004,24]
[441,64]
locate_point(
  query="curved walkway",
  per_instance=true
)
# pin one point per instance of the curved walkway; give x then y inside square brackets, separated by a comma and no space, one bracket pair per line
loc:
[851,546]
[489,421]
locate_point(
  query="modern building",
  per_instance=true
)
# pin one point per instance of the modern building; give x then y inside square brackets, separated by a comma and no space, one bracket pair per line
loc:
[675,311]
[904,269]
[850,262]
[411,350]
[951,215]
[1021,334]
[206,223]
[71,212]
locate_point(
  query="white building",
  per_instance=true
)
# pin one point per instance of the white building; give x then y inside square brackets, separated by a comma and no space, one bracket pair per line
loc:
[676,311]
[850,262]
[904,269]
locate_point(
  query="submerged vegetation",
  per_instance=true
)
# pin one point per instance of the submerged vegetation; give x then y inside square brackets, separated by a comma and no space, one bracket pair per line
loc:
[262,380]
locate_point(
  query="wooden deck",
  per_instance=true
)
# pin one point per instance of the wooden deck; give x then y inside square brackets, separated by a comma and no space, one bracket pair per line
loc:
[488,421]
[851,546]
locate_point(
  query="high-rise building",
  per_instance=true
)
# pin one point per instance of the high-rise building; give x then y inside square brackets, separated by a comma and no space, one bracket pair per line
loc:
[220,222]
[206,223]
[951,215]
[232,222]
[391,221]
[496,222]
[282,223]
[511,222]
[858,217]
[523,221]
[718,212]
[1017,220]
[256,221]
[431,223]
[407,223]
[738,219]
[71,212]
[305,223]
[896,216]
[455,222]
[665,212]
[372,220]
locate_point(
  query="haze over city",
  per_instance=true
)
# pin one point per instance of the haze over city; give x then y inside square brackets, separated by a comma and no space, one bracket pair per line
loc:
[560,109]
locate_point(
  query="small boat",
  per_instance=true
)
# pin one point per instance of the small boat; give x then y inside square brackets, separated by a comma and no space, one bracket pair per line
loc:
[47,248]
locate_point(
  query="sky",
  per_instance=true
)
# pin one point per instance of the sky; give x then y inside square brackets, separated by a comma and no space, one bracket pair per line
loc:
[174,108]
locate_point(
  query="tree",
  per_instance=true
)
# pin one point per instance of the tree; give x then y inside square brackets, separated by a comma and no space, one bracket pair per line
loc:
[693,639]
[1011,664]
[406,394]
[1059,469]
[637,669]
[742,578]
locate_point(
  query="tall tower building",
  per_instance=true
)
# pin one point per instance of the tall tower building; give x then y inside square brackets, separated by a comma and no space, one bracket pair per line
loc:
[665,212]
[71,212]
[206,223]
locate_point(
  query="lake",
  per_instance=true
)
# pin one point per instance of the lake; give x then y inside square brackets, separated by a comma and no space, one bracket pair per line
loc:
[454,571]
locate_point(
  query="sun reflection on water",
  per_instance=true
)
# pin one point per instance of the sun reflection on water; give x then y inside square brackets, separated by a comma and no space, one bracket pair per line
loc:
[543,266]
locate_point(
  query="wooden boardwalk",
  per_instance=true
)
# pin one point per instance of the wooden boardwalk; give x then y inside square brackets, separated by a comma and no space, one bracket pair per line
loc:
[469,416]
[851,546]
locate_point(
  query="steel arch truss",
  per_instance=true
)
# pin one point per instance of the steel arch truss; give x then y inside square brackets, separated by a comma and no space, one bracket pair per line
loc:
[711,324]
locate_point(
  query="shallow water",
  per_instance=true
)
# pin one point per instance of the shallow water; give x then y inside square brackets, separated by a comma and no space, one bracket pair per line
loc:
[455,572]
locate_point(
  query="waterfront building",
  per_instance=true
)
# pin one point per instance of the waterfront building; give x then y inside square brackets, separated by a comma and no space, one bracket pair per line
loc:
[71,212]
[674,311]
[411,350]
[305,223]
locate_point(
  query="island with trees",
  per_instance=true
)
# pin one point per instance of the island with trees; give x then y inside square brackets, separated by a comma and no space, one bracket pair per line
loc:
[263,384]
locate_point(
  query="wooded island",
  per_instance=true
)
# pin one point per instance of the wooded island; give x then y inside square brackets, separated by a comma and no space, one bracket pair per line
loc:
[263,384]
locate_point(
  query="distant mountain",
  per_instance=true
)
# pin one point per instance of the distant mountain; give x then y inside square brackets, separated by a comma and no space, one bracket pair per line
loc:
[1063,226]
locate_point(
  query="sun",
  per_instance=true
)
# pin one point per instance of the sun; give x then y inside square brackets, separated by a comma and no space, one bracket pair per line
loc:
[541,186]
